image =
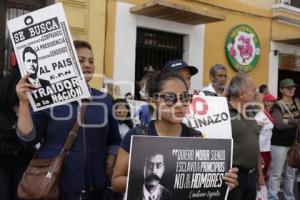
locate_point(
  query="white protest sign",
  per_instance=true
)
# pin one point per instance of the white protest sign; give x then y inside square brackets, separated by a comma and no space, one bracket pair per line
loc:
[44,48]
[210,115]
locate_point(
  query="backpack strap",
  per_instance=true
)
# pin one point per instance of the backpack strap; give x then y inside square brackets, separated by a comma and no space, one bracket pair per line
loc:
[194,133]
[297,103]
[282,106]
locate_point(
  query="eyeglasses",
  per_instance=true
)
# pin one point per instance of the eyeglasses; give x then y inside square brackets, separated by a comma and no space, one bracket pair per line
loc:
[171,98]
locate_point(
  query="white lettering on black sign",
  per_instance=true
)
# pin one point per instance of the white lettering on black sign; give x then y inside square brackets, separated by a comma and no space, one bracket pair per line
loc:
[199,168]
[36,30]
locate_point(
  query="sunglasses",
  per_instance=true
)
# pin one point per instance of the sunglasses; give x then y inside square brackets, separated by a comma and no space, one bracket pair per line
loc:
[171,98]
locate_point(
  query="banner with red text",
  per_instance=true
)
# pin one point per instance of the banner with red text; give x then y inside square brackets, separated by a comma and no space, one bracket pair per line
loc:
[210,115]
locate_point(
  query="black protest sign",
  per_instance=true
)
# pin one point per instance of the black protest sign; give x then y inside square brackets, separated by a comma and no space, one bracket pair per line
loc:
[178,168]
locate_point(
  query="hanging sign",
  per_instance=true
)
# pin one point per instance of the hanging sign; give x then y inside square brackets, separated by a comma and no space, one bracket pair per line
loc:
[242,48]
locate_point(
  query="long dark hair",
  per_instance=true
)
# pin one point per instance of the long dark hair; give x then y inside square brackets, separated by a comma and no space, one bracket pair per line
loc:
[124,102]
[9,97]
[82,44]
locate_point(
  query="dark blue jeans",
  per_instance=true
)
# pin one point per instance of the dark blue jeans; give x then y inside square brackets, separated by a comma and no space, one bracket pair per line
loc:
[9,180]
[107,194]
[247,187]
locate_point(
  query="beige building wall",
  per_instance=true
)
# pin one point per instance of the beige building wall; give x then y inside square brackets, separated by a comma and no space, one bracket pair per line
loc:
[95,20]
[258,18]
[267,4]
[87,21]
[255,13]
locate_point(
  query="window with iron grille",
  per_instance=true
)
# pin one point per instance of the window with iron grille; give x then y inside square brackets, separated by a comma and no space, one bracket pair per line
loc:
[10,9]
[295,3]
[153,49]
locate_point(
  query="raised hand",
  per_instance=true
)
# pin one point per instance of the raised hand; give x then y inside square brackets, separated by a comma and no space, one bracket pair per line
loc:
[23,87]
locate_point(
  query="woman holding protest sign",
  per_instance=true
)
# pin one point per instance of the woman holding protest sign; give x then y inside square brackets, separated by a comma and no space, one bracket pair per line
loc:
[88,166]
[168,93]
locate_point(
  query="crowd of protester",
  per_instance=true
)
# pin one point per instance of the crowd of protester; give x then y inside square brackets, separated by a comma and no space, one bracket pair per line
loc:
[99,156]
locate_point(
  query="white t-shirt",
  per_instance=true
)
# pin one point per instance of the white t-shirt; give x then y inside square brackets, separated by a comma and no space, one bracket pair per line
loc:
[209,88]
[123,128]
[265,135]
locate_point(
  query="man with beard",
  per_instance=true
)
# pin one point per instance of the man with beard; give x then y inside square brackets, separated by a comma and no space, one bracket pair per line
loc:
[153,171]
[218,78]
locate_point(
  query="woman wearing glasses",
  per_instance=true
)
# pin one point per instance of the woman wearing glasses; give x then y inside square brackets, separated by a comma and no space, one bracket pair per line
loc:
[286,121]
[168,92]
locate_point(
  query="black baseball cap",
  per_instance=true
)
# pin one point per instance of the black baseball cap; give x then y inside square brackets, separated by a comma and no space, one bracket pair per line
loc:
[175,65]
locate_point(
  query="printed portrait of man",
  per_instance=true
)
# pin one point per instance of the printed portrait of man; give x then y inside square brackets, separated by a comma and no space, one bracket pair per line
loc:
[154,168]
[30,59]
